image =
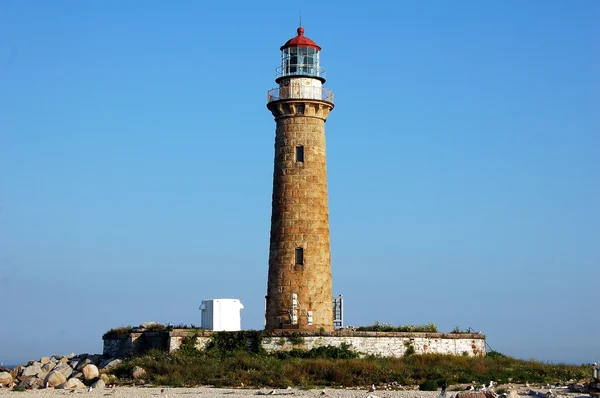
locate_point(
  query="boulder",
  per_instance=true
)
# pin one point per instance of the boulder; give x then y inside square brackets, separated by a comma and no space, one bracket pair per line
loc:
[83,362]
[72,384]
[55,379]
[105,378]
[16,372]
[31,382]
[44,360]
[110,364]
[513,394]
[90,372]
[42,375]
[64,368]
[77,375]
[73,363]
[137,373]
[5,379]
[96,358]
[99,384]
[48,366]
[476,394]
[32,369]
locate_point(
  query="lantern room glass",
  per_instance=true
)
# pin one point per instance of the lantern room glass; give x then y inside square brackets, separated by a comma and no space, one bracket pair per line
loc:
[300,61]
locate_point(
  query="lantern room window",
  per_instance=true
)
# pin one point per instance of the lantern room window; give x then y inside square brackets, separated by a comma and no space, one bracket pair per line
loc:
[300,61]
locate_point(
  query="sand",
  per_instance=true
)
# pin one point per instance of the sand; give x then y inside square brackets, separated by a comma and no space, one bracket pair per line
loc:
[143,392]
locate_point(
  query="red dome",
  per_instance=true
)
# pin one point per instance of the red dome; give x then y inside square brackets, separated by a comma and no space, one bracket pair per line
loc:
[300,41]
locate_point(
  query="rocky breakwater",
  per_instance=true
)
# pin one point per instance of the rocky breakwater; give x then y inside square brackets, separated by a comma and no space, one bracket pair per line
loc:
[66,372]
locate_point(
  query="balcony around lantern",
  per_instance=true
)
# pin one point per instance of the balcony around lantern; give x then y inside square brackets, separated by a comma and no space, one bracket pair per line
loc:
[300,92]
[300,70]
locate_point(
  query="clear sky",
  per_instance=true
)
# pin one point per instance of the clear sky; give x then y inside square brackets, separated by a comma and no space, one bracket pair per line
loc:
[136,160]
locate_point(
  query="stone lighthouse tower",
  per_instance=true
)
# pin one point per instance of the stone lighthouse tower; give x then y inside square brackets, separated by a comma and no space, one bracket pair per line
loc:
[299,287]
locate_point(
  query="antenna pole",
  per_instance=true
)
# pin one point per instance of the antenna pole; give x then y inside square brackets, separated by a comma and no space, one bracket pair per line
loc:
[300,17]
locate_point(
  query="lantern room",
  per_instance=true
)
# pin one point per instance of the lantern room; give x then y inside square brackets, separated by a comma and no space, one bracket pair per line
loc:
[300,57]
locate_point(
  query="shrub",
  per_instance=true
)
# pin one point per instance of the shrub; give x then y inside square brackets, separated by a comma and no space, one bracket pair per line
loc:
[388,327]
[428,385]
[296,339]
[116,332]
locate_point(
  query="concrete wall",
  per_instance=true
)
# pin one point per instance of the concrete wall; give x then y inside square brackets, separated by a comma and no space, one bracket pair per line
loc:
[387,344]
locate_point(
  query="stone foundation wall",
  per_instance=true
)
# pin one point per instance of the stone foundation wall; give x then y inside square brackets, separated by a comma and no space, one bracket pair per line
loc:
[386,344]
[134,343]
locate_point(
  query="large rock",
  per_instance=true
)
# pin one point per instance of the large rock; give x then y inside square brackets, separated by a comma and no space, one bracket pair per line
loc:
[110,364]
[16,372]
[83,363]
[73,363]
[44,360]
[99,384]
[32,369]
[72,384]
[476,394]
[48,366]
[5,379]
[32,382]
[65,369]
[513,394]
[55,379]
[137,373]
[90,372]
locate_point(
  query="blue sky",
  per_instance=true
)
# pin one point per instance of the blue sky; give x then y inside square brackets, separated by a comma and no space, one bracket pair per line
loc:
[136,158]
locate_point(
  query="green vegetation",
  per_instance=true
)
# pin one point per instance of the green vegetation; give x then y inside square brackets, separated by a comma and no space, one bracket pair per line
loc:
[387,327]
[115,332]
[229,360]
[428,385]
[156,327]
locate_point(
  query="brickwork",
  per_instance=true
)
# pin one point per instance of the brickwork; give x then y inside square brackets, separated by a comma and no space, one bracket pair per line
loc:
[300,218]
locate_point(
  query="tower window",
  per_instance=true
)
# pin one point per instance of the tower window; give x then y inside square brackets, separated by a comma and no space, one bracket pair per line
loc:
[300,153]
[300,109]
[299,256]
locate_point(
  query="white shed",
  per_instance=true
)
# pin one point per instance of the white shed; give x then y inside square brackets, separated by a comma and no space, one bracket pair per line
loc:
[221,314]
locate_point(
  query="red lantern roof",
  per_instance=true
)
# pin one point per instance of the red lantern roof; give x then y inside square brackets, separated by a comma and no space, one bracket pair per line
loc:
[300,41]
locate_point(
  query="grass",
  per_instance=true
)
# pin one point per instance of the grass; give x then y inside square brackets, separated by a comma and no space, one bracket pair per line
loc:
[115,332]
[387,327]
[231,363]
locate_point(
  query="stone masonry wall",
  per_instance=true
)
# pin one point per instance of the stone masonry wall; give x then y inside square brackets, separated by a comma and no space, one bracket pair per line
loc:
[300,218]
[387,344]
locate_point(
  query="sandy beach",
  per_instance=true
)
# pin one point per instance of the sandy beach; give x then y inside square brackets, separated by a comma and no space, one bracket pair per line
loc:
[143,392]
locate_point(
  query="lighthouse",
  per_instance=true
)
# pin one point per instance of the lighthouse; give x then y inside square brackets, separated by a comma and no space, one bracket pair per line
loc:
[299,292]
